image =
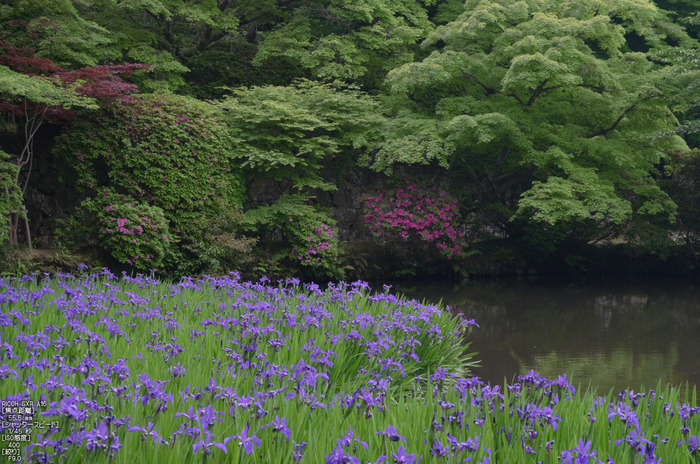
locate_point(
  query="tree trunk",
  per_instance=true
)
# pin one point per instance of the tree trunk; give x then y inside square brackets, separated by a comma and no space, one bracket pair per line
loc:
[13,228]
[26,229]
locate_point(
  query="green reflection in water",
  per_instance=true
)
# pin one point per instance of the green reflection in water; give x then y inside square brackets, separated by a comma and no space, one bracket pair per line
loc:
[620,368]
[608,334]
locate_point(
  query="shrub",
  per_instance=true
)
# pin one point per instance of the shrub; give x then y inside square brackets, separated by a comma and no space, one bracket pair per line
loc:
[162,150]
[165,154]
[309,234]
[10,198]
[133,233]
[315,243]
[418,213]
[219,249]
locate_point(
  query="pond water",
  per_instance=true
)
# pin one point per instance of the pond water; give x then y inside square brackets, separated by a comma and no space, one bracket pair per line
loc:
[604,334]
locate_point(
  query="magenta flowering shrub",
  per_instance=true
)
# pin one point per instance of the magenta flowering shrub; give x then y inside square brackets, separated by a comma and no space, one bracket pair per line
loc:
[133,233]
[315,243]
[417,212]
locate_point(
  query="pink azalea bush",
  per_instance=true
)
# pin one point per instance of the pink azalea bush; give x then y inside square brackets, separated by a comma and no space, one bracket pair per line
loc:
[417,212]
[132,232]
[315,244]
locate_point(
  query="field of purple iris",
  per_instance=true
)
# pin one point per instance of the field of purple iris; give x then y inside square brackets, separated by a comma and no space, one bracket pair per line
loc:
[100,368]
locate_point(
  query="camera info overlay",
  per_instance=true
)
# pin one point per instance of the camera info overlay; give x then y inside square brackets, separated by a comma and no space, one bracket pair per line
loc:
[19,422]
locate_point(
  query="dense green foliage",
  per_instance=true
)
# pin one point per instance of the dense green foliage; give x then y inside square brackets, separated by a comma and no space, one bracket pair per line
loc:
[550,123]
[287,135]
[133,233]
[544,93]
[10,196]
[172,152]
[167,152]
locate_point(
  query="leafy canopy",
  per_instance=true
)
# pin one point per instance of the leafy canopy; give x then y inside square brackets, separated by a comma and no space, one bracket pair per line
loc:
[49,91]
[287,133]
[349,40]
[543,101]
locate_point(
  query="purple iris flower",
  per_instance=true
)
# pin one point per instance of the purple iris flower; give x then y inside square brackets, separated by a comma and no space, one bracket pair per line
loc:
[562,383]
[42,443]
[649,457]
[206,444]
[248,442]
[440,374]
[472,444]
[338,456]
[207,416]
[528,449]
[392,433]
[548,416]
[299,450]
[191,415]
[401,457]
[583,453]
[438,449]
[5,372]
[279,425]
[350,438]
[625,413]
[636,440]
[693,443]
[148,431]
[67,406]
[532,379]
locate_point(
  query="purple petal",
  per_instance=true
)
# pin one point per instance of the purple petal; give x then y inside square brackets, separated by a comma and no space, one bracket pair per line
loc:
[222,447]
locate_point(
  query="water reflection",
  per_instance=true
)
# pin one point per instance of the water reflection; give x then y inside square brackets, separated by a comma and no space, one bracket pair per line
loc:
[609,335]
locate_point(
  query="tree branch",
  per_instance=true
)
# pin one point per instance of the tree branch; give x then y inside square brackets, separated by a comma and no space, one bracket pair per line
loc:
[542,89]
[487,90]
[596,87]
[536,93]
[619,120]
[615,124]
[517,98]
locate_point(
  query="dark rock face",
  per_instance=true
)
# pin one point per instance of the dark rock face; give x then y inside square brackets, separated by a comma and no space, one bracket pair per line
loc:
[48,200]
[345,202]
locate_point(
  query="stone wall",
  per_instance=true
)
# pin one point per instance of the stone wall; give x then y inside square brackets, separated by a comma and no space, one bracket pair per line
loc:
[47,200]
[345,202]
